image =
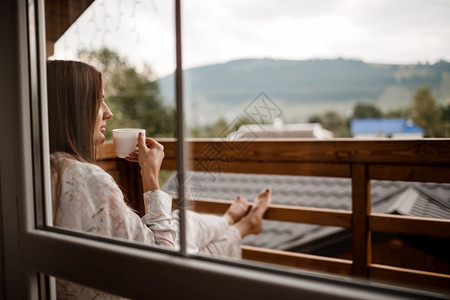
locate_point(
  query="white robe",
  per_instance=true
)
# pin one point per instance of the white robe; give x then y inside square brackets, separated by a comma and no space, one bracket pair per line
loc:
[91,202]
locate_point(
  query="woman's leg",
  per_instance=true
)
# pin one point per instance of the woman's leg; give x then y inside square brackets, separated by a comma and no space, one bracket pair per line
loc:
[252,222]
[203,229]
[216,235]
[211,234]
[245,224]
[236,211]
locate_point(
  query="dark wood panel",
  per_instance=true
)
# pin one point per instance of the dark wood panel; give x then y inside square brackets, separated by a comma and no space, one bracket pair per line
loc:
[409,225]
[297,214]
[309,215]
[410,278]
[107,165]
[298,260]
[439,174]
[274,168]
[423,152]
[393,152]
[130,182]
[106,151]
[61,14]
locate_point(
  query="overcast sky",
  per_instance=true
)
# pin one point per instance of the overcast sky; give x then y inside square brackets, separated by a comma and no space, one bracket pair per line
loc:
[381,31]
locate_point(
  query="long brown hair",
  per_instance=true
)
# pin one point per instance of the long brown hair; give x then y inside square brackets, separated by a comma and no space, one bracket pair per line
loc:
[74,97]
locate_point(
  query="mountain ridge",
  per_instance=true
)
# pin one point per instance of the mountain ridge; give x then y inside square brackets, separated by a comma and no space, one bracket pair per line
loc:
[306,83]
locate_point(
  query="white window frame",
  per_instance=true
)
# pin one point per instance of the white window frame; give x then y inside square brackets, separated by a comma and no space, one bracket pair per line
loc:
[132,272]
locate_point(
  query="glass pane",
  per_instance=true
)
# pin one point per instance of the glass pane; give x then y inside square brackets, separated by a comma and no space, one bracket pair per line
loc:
[259,73]
[326,62]
[253,70]
[105,59]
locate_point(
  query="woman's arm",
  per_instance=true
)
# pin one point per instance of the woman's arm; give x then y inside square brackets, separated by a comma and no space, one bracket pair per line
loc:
[92,202]
[149,155]
[158,217]
[115,218]
[158,204]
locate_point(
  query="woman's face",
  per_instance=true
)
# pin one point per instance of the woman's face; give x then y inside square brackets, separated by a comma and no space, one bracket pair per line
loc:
[103,114]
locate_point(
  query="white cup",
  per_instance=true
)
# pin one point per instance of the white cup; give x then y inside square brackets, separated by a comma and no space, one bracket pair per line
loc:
[125,140]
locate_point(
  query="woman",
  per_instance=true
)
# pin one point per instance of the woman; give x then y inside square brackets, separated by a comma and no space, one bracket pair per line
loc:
[86,198]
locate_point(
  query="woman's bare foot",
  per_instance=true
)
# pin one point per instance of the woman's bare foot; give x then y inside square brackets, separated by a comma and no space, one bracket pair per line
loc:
[252,222]
[236,211]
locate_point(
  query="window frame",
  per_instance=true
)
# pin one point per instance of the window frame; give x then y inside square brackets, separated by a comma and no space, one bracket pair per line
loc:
[28,249]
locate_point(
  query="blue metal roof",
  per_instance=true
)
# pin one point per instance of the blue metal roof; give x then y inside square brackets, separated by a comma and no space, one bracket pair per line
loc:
[387,126]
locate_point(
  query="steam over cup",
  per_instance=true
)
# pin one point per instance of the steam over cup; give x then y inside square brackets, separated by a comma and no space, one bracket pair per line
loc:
[125,140]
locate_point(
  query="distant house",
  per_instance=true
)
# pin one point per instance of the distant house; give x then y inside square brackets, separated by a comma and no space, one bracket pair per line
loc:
[385,128]
[280,130]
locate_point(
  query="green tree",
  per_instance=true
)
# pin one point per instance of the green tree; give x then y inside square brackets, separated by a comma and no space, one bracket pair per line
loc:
[404,113]
[133,97]
[220,128]
[366,111]
[446,119]
[315,119]
[337,124]
[333,122]
[426,113]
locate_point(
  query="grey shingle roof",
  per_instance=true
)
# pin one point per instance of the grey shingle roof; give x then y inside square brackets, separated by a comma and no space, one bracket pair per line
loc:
[408,198]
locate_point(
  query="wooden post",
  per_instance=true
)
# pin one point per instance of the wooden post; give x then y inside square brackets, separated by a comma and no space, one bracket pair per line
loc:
[361,236]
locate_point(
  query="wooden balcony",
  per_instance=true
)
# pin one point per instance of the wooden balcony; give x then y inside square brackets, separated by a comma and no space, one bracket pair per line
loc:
[425,160]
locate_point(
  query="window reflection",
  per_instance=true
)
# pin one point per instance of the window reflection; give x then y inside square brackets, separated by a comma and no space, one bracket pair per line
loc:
[262,75]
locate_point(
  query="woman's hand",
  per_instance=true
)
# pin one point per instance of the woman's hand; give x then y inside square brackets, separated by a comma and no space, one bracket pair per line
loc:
[149,155]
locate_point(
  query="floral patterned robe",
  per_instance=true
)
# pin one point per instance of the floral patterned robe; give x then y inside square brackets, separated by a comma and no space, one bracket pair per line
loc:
[90,201]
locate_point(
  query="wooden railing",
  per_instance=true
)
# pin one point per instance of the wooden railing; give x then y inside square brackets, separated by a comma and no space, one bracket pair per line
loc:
[425,160]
